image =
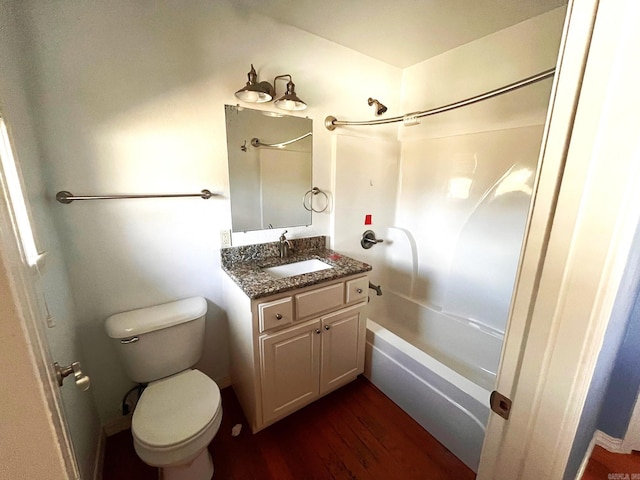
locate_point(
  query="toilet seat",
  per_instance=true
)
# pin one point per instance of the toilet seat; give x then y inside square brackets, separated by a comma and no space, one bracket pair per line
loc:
[176,418]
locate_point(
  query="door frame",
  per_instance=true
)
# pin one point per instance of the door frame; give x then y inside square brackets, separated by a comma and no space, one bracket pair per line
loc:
[23,294]
[576,247]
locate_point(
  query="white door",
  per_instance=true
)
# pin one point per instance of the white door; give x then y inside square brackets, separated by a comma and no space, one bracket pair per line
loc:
[585,212]
[33,283]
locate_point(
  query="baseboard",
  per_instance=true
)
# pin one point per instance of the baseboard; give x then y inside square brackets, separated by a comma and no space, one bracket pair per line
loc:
[99,466]
[609,443]
[117,425]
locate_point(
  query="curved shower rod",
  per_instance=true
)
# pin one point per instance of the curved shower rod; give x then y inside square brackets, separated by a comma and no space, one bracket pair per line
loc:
[332,122]
[257,143]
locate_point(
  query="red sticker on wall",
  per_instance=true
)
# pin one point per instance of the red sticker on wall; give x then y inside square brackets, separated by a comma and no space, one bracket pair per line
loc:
[367,219]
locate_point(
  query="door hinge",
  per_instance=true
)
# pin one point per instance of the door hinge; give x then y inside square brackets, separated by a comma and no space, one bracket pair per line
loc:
[500,404]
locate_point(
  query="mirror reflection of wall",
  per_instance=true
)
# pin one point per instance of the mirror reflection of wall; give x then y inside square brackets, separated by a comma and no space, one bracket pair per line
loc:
[268,182]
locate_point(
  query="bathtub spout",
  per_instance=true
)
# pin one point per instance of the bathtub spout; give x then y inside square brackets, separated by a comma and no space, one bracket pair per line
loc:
[377,288]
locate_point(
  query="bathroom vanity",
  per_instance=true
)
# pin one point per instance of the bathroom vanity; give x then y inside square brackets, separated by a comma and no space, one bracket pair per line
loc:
[293,338]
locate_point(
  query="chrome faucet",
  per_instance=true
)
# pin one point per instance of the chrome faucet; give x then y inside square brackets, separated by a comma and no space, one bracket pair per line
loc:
[285,246]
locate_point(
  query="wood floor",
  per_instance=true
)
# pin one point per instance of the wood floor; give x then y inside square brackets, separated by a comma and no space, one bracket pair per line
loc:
[604,465]
[353,433]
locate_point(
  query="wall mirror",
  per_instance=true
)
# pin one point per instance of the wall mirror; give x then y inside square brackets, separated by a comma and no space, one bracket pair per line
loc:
[270,164]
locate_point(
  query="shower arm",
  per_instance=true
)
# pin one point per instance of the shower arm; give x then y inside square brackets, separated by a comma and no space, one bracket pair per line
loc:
[332,122]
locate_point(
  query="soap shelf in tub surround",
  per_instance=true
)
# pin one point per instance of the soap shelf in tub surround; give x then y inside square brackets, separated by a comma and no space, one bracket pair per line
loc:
[244,265]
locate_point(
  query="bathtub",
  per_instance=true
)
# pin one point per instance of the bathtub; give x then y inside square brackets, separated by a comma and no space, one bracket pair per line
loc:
[438,368]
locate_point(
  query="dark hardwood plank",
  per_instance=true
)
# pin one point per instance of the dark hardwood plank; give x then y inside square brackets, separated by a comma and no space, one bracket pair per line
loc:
[121,461]
[401,436]
[603,464]
[353,433]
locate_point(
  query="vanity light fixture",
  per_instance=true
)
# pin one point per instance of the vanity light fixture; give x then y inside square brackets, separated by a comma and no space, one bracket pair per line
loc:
[289,101]
[254,91]
[261,92]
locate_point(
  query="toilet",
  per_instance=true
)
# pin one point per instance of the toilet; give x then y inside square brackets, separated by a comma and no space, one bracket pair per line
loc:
[180,411]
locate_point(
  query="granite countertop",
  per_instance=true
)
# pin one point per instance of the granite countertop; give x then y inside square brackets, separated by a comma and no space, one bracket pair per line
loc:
[244,265]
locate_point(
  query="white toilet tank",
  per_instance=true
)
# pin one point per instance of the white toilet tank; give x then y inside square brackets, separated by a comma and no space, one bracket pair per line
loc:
[158,341]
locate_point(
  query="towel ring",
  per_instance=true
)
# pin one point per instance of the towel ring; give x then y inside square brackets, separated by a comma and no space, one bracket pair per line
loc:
[308,205]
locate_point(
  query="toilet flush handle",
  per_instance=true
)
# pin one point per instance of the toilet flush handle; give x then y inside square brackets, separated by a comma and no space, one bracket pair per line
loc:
[83,382]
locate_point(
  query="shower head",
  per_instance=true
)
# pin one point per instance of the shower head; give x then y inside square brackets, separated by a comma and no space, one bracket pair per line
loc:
[380,108]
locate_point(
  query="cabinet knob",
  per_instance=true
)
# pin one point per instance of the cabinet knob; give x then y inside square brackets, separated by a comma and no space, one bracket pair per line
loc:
[278,316]
[359,290]
[327,327]
[317,330]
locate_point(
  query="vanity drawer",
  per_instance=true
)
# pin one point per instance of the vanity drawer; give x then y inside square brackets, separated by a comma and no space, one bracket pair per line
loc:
[275,314]
[357,289]
[319,300]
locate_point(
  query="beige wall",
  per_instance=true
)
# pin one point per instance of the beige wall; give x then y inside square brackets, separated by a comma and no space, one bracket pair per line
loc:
[129,98]
[52,283]
[491,62]
[28,442]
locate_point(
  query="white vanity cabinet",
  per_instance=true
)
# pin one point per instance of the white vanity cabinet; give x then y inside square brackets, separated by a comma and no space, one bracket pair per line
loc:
[289,349]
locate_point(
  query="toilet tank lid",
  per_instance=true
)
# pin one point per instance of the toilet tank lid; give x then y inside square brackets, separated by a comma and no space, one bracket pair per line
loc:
[144,320]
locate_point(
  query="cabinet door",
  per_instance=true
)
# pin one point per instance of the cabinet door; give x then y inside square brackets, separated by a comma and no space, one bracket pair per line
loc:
[342,348]
[290,364]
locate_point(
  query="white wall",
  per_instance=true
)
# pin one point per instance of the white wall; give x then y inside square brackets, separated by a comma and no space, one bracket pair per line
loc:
[130,99]
[366,171]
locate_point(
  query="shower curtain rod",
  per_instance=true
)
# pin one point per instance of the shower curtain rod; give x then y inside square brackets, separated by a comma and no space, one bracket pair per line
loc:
[332,122]
[68,197]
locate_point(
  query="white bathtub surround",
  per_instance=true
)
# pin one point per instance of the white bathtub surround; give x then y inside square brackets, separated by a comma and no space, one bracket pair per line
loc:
[451,407]
[466,347]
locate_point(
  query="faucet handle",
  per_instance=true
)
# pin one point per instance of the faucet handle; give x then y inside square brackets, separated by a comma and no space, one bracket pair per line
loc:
[282,237]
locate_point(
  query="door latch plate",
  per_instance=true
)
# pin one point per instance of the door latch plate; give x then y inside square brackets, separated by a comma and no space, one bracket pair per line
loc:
[500,404]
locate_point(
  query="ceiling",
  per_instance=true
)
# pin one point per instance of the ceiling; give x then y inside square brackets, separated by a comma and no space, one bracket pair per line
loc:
[400,32]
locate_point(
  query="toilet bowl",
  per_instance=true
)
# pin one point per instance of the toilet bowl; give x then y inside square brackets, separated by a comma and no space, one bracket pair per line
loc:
[174,422]
[180,410]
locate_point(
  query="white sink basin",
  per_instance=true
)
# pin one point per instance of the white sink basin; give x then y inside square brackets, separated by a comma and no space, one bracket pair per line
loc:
[297,268]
